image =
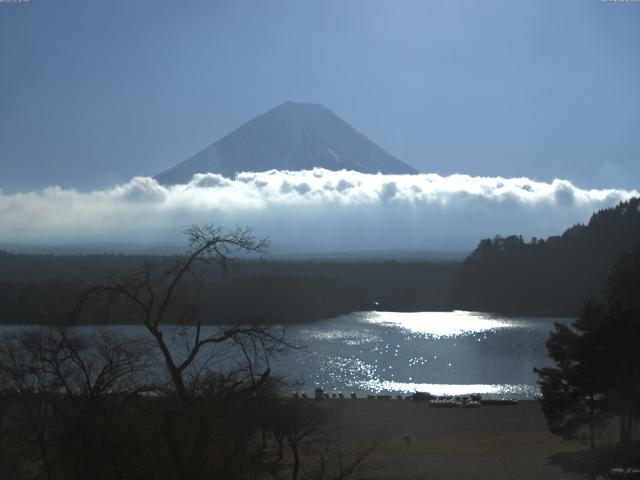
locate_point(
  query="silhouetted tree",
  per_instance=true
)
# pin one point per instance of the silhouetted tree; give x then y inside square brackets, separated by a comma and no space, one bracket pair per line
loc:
[86,406]
[571,390]
[211,369]
[153,294]
[597,372]
[312,433]
[624,282]
[62,393]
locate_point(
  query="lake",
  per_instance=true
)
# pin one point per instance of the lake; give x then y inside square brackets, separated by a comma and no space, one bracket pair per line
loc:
[444,353]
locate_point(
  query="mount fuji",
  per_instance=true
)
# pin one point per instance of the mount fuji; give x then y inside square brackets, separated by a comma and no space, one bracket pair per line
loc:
[292,136]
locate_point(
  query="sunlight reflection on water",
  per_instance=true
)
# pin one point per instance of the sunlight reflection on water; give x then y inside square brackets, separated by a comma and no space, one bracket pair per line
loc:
[518,390]
[440,324]
[348,336]
[443,353]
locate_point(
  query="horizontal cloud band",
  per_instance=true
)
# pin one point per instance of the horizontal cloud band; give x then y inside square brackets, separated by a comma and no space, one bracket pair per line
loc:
[307,211]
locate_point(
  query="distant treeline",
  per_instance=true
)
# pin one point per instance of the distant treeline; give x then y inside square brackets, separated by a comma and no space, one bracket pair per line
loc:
[503,274]
[43,288]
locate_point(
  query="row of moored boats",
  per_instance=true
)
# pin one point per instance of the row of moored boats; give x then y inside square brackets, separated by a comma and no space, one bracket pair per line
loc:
[446,401]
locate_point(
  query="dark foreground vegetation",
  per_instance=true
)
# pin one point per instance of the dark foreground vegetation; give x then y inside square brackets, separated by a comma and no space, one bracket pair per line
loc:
[110,407]
[594,388]
[503,274]
[77,407]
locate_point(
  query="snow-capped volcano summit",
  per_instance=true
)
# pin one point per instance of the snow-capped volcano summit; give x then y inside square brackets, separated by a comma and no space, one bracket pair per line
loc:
[292,136]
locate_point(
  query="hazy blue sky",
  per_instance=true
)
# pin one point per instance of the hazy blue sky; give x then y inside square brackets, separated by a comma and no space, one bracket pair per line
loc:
[95,92]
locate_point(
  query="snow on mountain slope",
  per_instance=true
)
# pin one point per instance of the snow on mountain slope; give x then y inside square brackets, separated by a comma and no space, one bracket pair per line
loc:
[292,136]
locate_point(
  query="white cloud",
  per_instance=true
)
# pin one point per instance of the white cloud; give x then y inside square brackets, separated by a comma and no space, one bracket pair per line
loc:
[313,210]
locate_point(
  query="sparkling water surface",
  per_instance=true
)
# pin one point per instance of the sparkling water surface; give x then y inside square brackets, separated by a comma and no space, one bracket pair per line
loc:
[444,353]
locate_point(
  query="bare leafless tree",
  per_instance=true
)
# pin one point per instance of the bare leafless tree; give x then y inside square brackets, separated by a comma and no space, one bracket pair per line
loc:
[337,462]
[212,419]
[52,381]
[153,293]
[209,367]
[304,425]
[316,441]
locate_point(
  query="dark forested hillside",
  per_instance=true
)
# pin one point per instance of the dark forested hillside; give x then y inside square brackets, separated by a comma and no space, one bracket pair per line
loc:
[43,288]
[552,276]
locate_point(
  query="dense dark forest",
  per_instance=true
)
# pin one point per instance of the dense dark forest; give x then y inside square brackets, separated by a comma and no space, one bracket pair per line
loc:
[503,274]
[547,277]
[42,289]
